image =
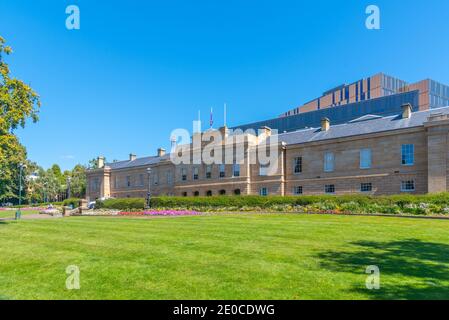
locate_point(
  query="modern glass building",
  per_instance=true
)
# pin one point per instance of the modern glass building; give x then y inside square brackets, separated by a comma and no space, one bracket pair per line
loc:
[432,94]
[383,106]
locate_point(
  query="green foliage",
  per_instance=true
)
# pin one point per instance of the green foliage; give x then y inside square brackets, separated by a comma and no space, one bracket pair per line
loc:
[74,202]
[18,103]
[121,204]
[408,204]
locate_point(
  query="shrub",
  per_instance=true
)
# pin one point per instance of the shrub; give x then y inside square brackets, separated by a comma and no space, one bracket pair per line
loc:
[397,204]
[121,204]
[74,202]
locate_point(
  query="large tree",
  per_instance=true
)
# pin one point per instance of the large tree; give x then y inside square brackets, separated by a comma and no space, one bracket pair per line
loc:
[18,103]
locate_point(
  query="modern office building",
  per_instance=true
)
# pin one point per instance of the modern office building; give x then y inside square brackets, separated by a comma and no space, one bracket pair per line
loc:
[431,94]
[369,154]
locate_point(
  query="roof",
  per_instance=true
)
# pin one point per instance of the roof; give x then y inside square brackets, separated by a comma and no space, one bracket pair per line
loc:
[360,126]
[138,162]
[365,124]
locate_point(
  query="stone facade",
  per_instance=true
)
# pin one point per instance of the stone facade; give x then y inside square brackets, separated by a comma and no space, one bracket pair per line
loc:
[405,158]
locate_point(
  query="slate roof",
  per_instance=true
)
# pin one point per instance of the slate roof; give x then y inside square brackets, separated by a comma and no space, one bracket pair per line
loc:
[363,125]
[145,161]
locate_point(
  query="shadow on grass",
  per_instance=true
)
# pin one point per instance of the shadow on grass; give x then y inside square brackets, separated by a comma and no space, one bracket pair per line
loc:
[415,269]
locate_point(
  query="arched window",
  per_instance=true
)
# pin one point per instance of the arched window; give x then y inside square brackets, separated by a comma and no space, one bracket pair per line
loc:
[196,193]
[184,194]
[237,192]
[222,192]
[209,193]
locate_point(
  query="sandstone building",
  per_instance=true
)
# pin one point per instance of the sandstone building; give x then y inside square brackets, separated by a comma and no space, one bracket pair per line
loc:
[369,153]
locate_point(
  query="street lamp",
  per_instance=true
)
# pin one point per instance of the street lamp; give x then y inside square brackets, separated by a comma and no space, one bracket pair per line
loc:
[18,212]
[69,179]
[149,188]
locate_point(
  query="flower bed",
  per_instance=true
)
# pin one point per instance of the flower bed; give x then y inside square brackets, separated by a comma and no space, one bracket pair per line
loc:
[161,213]
[33,209]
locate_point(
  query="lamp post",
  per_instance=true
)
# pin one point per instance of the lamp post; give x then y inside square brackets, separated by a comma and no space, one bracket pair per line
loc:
[18,212]
[149,188]
[69,179]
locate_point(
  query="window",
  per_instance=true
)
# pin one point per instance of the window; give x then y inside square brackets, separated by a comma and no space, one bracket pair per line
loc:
[222,170]
[263,191]
[366,187]
[208,172]
[237,192]
[209,193]
[222,192]
[408,185]
[141,180]
[128,181]
[184,194]
[115,182]
[183,174]
[297,162]
[408,154]
[169,177]
[236,170]
[297,190]
[329,162]
[365,158]
[329,188]
[263,170]
[156,178]
[196,193]
[195,173]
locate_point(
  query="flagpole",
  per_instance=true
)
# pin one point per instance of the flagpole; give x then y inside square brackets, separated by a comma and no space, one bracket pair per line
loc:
[224,115]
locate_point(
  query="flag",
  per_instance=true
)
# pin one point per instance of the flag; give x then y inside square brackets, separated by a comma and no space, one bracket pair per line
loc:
[211,118]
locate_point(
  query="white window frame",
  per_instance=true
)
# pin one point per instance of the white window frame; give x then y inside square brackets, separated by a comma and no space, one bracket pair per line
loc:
[404,184]
[263,170]
[298,190]
[407,152]
[365,158]
[236,169]
[297,162]
[326,187]
[222,171]
[195,173]
[329,162]
[263,191]
[366,183]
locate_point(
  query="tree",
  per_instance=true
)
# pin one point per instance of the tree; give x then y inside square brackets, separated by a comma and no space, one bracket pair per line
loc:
[79,181]
[18,103]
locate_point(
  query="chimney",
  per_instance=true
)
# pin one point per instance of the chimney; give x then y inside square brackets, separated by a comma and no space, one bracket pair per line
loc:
[266,131]
[224,132]
[100,162]
[325,124]
[406,111]
[160,152]
[132,157]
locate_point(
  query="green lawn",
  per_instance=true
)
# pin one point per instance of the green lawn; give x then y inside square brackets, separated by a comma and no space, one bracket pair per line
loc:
[225,257]
[12,213]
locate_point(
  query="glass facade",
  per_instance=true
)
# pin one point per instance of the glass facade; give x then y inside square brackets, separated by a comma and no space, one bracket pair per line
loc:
[384,106]
[439,95]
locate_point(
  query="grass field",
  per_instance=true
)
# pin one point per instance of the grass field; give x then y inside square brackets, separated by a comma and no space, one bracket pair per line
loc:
[12,213]
[225,257]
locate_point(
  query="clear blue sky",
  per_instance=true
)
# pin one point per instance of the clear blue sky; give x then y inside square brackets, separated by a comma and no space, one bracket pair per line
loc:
[138,69]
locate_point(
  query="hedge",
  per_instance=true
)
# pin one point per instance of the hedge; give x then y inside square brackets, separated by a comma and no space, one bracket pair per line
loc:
[121,204]
[397,204]
[74,202]
[406,203]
